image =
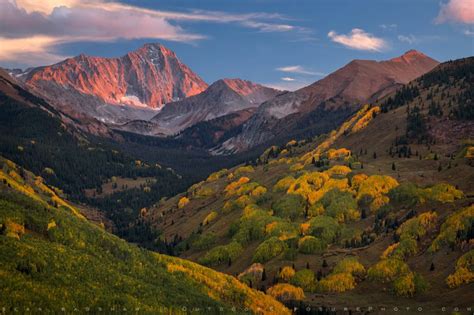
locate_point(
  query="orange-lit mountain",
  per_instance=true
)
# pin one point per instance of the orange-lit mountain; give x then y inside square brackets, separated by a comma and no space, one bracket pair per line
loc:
[140,81]
[332,98]
[221,98]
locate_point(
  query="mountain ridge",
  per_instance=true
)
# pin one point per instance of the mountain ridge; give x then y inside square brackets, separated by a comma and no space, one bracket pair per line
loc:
[350,86]
[142,80]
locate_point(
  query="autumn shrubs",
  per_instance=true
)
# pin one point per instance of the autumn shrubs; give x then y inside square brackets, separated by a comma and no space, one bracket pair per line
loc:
[269,249]
[311,245]
[464,271]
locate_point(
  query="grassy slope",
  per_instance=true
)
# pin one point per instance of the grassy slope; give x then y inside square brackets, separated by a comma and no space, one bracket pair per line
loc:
[52,257]
[184,223]
[450,137]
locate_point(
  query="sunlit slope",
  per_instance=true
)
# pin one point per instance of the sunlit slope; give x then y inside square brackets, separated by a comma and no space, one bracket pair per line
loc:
[318,222]
[53,258]
[426,129]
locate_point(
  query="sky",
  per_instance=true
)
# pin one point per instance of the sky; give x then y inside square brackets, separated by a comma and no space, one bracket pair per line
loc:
[286,44]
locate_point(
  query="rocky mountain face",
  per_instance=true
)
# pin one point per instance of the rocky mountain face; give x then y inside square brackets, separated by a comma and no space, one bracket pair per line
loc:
[344,90]
[140,82]
[221,98]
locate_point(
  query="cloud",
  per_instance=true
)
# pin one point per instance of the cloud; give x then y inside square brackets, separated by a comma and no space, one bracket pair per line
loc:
[288,79]
[458,11]
[358,39]
[66,21]
[29,50]
[468,33]
[388,26]
[288,85]
[299,70]
[410,39]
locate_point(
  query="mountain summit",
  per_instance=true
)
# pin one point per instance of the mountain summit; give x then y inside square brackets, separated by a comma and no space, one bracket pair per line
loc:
[146,78]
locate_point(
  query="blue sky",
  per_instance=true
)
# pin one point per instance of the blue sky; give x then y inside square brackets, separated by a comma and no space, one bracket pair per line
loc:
[282,43]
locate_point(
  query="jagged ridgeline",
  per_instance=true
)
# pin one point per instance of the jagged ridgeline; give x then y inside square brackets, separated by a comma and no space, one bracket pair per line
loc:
[53,258]
[366,214]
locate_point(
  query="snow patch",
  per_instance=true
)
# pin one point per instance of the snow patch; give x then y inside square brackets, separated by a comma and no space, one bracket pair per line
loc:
[133,100]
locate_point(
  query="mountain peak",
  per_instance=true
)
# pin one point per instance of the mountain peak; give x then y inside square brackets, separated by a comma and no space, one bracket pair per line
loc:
[241,87]
[410,56]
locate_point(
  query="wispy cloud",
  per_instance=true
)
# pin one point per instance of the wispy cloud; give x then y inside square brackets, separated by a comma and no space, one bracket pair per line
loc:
[468,33]
[410,39]
[458,11]
[358,39]
[389,26]
[62,21]
[291,85]
[288,79]
[299,70]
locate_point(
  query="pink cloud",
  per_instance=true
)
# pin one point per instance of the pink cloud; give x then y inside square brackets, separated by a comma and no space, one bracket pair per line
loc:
[358,39]
[459,11]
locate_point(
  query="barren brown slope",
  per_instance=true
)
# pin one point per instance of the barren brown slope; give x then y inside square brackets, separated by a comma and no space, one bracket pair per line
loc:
[221,98]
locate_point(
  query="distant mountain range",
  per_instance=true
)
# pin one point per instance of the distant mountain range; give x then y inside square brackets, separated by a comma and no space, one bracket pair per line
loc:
[358,82]
[141,81]
[151,92]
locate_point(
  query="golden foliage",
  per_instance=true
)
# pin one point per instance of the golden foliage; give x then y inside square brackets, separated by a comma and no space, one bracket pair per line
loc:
[464,273]
[209,218]
[183,201]
[296,167]
[376,187]
[333,136]
[387,270]
[259,191]
[460,221]
[232,187]
[365,120]
[357,180]
[226,287]
[350,265]
[405,285]
[286,273]
[51,225]
[338,171]
[292,143]
[286,292]
[13,229]
[338,154]
[216,175]
[337,282]
[284,183]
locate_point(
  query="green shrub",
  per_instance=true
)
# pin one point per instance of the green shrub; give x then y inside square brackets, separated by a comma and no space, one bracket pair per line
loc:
[406,194]
[205,241]
[221,254]
[304,279]
[311,245]
[289,206]
[269,249]
[340,205]
[387,270]
[324,227]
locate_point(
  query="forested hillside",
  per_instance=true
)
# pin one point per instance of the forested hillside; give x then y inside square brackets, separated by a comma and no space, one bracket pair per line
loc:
[378,221]
[54,260]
